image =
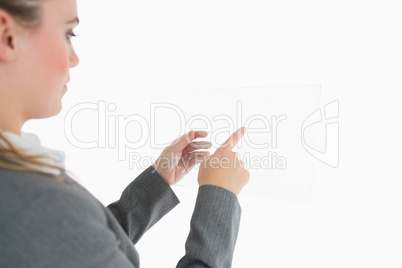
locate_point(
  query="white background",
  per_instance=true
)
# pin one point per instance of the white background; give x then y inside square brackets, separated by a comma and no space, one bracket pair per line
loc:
[134,53]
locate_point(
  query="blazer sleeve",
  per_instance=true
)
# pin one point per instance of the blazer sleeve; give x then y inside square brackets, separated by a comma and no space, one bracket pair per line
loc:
[214,228]
[143,203]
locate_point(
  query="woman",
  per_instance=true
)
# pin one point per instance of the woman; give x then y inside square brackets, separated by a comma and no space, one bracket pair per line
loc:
[46,218]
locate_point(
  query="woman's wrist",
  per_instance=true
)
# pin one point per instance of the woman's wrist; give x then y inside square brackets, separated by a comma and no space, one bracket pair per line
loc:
[159,172]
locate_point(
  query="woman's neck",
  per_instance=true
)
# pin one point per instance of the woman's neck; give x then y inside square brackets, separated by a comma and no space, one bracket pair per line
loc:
[9,125]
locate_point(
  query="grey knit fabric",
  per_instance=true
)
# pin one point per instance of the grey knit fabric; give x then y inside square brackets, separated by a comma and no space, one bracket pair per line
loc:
[45,223]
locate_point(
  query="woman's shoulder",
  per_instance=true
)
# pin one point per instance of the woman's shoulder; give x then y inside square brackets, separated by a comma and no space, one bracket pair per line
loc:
[27,182]
[22,190]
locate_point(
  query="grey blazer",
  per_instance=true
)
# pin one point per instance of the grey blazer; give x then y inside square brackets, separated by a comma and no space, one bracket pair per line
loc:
[45,223]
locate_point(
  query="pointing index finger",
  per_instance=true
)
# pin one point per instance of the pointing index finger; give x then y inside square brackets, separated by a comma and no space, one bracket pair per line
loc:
[234,138]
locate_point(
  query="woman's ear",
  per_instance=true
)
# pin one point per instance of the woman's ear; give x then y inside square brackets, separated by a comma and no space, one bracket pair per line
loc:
[8,37]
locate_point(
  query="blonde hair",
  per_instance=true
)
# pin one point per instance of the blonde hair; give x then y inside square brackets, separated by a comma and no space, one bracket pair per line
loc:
[14,158]
[26,12]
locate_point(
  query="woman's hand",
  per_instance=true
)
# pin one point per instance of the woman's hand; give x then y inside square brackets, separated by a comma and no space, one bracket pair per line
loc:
[180,157]
[224,168]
